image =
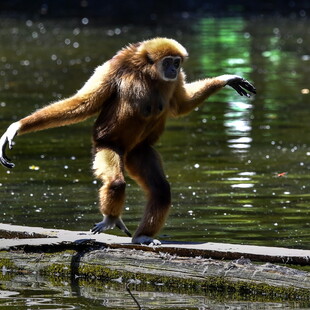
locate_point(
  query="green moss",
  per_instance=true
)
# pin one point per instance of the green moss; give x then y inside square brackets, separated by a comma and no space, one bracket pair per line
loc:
[8,264]
[238,289]
[99,272]
[57,270]
[7,268]
[253,290]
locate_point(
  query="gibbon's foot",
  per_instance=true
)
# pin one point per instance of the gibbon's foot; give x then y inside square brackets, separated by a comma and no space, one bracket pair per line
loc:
[239,84]
[7,139]
[109,222]
[145,240]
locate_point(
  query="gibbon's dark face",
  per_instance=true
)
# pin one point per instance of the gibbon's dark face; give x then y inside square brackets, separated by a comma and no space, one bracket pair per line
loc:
[170,67]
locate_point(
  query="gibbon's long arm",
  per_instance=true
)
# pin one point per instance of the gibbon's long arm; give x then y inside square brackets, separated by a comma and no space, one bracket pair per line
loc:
[85,103]
[190,95]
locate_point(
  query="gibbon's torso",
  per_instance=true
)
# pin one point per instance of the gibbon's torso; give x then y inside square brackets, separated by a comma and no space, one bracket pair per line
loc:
[140,112]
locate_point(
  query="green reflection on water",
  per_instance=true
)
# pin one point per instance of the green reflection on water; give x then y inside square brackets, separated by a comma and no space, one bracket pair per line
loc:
[222,160]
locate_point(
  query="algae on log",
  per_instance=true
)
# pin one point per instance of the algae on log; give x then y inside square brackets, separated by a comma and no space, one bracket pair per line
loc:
[75,255]
[240,277]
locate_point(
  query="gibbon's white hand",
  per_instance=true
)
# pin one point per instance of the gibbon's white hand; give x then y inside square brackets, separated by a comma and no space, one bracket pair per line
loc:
[7,139]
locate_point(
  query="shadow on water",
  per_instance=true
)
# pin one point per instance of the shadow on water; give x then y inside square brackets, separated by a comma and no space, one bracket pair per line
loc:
[239,168]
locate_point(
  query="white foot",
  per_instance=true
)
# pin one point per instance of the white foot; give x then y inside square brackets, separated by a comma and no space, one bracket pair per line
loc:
[145,240]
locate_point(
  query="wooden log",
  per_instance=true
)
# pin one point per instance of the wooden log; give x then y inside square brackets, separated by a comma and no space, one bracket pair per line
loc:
[81,255]
[37,236]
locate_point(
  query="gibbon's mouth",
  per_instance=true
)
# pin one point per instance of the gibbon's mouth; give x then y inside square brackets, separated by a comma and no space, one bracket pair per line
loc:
[170,77]
[171,74]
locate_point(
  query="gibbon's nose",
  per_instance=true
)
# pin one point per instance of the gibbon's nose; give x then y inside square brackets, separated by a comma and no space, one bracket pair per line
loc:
[171,73]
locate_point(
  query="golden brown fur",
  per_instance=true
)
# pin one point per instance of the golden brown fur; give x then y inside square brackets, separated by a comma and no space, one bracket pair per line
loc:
[133,96]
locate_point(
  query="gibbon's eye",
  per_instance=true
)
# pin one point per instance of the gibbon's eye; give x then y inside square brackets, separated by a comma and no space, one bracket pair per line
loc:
[177,63]
[166,62]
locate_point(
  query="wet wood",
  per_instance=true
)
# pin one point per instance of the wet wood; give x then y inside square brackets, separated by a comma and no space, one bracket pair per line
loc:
[81,254]
[13,236]
[162,266]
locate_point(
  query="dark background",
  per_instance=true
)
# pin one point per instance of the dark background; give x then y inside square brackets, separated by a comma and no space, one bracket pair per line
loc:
[150,11]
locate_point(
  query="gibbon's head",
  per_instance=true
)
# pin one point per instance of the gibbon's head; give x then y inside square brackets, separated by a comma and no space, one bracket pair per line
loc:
[163,57]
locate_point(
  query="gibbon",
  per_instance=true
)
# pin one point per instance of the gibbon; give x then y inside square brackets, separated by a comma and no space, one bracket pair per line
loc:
[133,94]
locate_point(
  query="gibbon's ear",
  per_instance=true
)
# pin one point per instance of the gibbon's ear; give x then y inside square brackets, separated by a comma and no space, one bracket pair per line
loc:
[149,59]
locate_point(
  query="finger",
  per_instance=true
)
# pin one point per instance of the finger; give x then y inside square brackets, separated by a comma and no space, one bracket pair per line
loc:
[127,232]
[4,160]
[6,163]
[5,157]
[247,94]
[238,89]
[95,230]
[244,92]
[10,142]
[248,86]
[3,142]
[121,225]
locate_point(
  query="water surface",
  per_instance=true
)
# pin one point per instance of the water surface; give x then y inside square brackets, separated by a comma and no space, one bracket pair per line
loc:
[239,168]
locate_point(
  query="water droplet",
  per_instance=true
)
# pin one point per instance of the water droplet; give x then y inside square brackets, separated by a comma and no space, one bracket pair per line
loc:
[29,23]
[25,62]
[76,31]
[85,21]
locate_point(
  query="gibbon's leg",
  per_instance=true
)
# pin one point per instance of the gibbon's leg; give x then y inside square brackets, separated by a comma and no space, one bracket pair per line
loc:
[108,167]
[144,166]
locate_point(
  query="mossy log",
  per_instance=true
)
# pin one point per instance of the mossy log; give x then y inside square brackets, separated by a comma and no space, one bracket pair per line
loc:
[13,236]
[75,255]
